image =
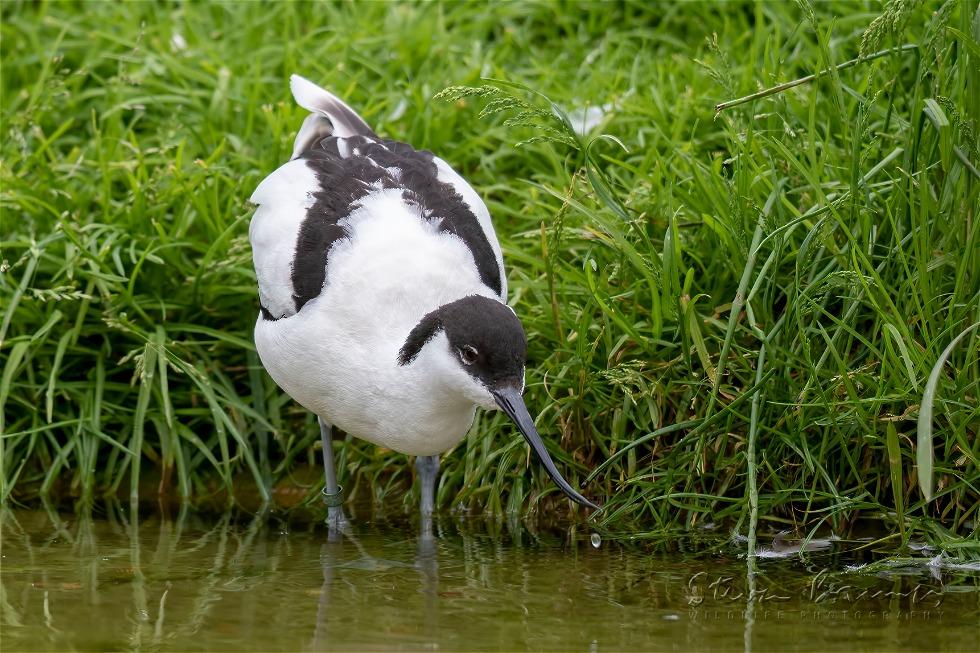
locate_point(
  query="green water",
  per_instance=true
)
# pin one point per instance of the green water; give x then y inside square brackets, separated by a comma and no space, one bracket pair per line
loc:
[111,582]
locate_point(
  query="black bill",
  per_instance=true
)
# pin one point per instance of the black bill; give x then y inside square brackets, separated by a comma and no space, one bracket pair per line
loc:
[511,402]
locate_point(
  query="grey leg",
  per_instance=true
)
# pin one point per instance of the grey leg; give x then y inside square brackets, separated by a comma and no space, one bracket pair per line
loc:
[428,468]
[332,493]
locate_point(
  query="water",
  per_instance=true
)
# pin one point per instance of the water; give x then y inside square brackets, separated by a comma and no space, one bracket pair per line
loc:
[194,583]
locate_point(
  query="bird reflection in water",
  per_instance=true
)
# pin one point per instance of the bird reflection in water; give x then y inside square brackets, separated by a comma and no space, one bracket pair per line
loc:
[334,555]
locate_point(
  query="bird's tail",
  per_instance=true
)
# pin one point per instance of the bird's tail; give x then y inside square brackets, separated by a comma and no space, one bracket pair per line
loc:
[329,115]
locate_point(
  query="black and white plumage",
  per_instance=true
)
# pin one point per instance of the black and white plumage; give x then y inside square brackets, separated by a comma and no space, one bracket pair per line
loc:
[382,289]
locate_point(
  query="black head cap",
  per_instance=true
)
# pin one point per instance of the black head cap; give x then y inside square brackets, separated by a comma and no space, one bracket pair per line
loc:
[484,333]
[490,343]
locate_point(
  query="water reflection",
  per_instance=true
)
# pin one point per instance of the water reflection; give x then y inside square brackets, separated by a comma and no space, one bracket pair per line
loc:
[110,580]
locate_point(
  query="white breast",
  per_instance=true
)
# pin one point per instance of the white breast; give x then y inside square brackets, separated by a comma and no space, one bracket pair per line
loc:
[338,356]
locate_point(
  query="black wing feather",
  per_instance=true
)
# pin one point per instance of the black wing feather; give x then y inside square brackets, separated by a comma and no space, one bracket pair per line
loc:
[345,180]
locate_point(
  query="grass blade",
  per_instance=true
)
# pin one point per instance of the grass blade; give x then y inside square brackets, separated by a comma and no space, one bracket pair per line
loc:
[924,444]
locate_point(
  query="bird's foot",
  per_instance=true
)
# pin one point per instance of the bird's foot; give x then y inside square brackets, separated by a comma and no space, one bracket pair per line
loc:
[336,519]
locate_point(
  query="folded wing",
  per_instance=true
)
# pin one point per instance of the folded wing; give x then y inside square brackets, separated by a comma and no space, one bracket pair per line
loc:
[337,161]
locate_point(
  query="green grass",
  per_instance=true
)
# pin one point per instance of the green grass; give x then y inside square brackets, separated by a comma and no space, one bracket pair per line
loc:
[724,310]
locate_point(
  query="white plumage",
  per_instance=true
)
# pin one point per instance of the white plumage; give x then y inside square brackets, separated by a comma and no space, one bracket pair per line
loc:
[283,199]
[381,282]
[339,354]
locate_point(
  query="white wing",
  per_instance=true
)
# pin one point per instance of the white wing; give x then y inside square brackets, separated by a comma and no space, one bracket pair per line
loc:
[283,199]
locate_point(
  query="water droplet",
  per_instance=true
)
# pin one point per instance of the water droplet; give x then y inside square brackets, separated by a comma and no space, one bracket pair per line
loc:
[596,540]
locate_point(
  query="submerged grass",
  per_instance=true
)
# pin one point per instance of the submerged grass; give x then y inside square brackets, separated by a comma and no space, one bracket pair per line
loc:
[732,316]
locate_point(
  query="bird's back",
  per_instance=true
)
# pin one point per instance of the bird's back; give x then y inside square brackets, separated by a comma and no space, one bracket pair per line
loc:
[341,171]
[354,240]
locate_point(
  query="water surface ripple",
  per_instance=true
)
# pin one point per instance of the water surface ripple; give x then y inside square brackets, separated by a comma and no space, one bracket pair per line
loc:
[113,582]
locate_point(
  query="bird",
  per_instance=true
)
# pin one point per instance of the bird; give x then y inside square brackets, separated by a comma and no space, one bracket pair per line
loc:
[383,296]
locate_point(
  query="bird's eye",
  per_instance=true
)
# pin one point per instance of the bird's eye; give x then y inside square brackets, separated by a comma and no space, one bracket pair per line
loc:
[467,354]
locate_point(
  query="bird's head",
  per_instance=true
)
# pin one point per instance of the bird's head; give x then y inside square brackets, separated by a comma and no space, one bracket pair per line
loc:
[478,344]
